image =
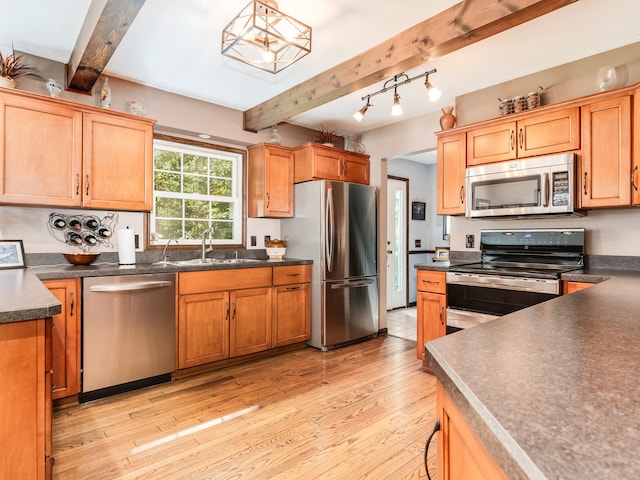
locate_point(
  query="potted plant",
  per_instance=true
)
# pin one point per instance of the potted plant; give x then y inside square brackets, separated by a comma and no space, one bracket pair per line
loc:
[12,66]
[328,136]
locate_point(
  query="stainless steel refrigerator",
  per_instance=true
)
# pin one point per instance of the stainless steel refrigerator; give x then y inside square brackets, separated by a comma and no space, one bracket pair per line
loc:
[335,225]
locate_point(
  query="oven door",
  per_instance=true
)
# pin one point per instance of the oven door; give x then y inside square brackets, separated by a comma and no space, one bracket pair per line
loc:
[486,297]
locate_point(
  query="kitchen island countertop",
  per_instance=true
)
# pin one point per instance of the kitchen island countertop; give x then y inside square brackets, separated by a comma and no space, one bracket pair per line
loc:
[553,390]
[24,297]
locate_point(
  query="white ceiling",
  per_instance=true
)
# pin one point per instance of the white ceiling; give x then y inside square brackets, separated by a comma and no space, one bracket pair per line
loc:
[175,46]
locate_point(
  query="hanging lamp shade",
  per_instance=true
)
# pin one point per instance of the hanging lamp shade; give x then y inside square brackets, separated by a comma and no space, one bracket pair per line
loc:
[264,37]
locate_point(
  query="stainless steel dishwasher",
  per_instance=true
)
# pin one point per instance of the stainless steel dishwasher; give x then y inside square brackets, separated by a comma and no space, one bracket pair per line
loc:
[128,333]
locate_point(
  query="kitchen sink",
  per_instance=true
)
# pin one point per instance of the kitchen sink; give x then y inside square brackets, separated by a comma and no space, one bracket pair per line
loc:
[208,261]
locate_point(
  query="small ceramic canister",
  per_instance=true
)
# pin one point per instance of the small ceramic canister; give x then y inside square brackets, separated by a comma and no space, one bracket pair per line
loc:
[519,103]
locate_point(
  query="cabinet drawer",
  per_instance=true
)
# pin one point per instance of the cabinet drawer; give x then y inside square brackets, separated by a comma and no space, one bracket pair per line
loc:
[218,280]
[434,282]
[291,274]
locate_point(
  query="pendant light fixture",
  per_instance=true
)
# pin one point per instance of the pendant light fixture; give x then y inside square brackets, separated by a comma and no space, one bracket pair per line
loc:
[393,83]
[264,37]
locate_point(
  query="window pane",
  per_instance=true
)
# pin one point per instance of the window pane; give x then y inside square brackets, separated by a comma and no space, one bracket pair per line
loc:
[166,160]
[196,209]
[193,184]
[169,207]
[223,230]
[193,229]
[166,229]
[221,168]
[220,210]
[196,164]
[221,188]
[166,182]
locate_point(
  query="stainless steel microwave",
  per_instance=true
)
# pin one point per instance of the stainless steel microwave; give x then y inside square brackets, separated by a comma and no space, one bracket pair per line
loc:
[532,186]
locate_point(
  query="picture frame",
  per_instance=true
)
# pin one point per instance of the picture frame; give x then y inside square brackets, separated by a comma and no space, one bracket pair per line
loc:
[418,210]
[441,254]
[11,254]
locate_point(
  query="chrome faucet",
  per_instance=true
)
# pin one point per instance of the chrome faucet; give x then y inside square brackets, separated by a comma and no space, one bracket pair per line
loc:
[204,239]
[235,253]
[164,252]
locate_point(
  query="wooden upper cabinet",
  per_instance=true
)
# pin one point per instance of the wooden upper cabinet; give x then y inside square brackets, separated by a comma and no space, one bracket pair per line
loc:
[55,152]
[41,152]
[270,181]
[117,163]
[635,178]
[319,162]
[495,143]
[451,173]
[534,134]
[605,164]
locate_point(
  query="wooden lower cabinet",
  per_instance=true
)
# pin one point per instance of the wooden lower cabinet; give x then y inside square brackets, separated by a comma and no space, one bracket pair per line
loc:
[203,328]
[25,400]
[250,321]
[570,287]
[65,347]
[461,454]
[291,313]
[431,304]
[259,309]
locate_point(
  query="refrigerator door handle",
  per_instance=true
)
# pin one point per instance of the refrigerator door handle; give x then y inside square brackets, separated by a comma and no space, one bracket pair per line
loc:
[330,225]
[360,283]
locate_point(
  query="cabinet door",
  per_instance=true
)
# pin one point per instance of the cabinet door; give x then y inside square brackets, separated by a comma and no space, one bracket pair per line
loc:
[278,183]
[65,348]
[431,319]
[203,328]
[327,164]
[40,152]
[355,169]
[495,143]
[635,179]
[451,174]
[250,323]
[117,163]
[23,400]
[548,133]
[461,454]
[571,287]
[291,314]
[606,153]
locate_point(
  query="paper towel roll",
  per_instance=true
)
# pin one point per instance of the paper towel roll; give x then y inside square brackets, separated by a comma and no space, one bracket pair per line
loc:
[126,246]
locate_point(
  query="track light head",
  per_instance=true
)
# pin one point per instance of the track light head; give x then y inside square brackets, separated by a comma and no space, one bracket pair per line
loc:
[433,92]
[396,110]
[359,115]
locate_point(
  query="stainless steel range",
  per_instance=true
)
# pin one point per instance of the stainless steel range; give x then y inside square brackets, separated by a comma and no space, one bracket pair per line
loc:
[518,268]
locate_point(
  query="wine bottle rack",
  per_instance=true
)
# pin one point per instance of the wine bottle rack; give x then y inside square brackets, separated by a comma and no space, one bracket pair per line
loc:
[83,231]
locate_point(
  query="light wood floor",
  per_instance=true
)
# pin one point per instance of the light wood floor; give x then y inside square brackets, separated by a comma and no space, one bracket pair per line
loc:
[361,411]
[402,323]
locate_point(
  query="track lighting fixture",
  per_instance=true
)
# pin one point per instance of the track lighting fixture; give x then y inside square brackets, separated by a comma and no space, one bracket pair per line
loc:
[396,81]
[359,115]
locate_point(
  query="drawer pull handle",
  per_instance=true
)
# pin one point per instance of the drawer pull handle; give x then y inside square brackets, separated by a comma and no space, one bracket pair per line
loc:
[293,288]
[429,281]
[436,427]
[293,274]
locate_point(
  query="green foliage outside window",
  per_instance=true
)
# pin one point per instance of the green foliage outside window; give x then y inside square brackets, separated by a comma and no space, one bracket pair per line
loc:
[196,189]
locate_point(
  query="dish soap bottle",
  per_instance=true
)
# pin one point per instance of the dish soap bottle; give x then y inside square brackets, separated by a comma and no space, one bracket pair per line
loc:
[105,94]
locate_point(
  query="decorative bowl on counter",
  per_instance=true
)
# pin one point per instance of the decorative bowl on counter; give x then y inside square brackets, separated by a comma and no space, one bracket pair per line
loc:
[84,258]
[276,249]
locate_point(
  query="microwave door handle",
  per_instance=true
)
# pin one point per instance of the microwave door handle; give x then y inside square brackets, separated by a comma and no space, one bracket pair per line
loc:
[545,196]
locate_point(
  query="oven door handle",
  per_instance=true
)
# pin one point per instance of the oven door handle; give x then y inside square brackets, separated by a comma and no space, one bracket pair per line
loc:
[545,195]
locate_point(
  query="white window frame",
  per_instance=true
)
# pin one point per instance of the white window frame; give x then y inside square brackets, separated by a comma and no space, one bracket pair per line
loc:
[236,156]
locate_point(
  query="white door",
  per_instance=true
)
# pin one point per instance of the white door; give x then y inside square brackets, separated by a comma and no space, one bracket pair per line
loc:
[396,243]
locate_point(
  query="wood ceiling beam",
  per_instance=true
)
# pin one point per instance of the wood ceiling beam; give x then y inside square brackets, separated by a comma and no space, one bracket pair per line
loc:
[459,26]
[104,27]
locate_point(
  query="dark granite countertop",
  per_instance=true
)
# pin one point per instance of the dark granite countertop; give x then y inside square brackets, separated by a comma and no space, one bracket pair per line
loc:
[553,390]
[24,297]
[47,272]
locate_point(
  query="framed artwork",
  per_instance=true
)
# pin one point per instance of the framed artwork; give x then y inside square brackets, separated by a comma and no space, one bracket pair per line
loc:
[442,253]
[11,254]
[417,210]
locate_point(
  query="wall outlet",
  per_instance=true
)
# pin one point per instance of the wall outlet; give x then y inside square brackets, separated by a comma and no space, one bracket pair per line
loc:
[418,243]
[266,239]
[254,240]
[471,241]
[136,239]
